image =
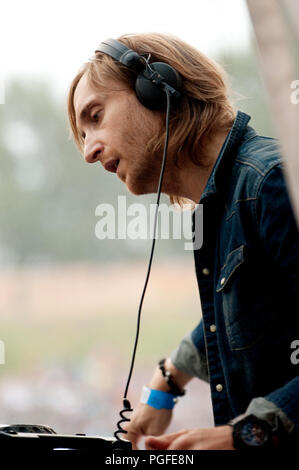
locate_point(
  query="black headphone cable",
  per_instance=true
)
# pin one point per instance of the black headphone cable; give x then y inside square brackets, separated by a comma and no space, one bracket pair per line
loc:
[126,403]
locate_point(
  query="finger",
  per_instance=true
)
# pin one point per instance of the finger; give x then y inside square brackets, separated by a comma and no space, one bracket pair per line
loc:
[162,442]
[133,438]
[181,443]
[155,443]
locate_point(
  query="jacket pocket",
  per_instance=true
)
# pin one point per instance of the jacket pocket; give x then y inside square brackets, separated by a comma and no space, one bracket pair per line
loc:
[246,307]
[233,261]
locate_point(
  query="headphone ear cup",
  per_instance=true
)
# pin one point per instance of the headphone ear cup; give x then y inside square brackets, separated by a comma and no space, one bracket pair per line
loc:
[149,94]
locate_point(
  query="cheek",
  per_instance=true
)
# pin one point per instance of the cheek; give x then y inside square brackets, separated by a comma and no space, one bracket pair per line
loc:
[142,121]
[128,129]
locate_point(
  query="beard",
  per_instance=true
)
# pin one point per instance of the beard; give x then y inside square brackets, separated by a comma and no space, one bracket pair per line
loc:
[143,174]
[144,159]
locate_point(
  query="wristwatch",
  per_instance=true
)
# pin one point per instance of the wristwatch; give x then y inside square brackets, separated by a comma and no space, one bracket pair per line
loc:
[250,432]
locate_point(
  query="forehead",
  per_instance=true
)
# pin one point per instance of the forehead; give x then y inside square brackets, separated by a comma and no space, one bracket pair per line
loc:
[84,94]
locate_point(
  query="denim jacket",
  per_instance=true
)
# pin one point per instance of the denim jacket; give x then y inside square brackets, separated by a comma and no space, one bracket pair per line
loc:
[247,273]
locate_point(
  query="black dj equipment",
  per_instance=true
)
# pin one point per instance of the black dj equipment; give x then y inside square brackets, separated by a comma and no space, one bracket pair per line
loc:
[39,439]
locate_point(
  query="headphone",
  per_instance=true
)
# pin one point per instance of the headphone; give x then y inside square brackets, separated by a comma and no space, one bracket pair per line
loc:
[152,79]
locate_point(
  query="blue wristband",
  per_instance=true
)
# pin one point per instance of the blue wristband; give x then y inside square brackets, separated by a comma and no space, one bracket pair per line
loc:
[158,399]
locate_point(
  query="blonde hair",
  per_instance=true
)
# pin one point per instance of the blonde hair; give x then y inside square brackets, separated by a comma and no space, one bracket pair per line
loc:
[204,105]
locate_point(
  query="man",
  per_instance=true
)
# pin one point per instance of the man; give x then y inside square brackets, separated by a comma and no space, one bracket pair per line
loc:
[247,268]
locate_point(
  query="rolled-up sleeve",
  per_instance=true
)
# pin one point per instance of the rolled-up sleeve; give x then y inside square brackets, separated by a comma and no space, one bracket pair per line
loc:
[279,408]
[190,356]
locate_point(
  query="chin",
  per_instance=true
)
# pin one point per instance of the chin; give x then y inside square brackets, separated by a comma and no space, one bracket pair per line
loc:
[136,190]
[139,187]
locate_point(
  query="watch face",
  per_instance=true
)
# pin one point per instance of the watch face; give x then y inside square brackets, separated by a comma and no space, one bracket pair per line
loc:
[253,434]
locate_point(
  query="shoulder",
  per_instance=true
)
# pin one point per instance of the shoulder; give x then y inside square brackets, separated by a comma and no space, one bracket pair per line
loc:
[259,152]
[255,160]
[260,180]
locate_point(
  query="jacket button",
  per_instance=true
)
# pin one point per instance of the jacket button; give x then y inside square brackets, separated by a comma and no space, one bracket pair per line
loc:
[206,271]
[212,328]
[219,388]
[222,281]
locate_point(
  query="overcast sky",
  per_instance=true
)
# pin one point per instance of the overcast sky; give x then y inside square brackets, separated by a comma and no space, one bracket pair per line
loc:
[53,38]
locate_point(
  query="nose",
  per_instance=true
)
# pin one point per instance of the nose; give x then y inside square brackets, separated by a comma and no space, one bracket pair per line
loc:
[93,151]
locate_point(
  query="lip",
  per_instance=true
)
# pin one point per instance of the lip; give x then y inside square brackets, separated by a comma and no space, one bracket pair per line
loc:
[112,165]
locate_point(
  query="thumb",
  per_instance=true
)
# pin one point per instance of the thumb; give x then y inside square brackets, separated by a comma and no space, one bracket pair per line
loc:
[156,443]
[161,442]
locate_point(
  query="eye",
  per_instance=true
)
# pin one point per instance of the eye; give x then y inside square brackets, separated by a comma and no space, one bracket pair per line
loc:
[96,116]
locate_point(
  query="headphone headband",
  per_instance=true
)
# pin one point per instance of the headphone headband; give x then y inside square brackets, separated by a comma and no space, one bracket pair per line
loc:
[152,78]
[121,53]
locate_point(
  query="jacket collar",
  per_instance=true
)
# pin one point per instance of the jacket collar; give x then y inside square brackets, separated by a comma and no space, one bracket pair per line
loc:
[226,153]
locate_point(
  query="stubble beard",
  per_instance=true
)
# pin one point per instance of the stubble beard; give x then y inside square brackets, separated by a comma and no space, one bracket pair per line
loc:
[144,174]
[145,162]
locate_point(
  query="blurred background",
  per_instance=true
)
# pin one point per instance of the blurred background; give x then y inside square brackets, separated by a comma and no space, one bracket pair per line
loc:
[68,301]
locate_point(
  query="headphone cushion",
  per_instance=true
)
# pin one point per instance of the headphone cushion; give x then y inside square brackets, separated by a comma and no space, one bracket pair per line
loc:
[149,94]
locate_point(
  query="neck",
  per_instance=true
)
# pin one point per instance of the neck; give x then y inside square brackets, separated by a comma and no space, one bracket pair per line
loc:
[193,178]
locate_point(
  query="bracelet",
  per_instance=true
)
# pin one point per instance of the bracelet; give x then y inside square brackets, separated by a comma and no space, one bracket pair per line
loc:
[174,389]
[157,399]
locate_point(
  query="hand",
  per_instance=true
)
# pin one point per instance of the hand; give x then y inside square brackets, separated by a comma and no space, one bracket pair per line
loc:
[145,421]
[218,438]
